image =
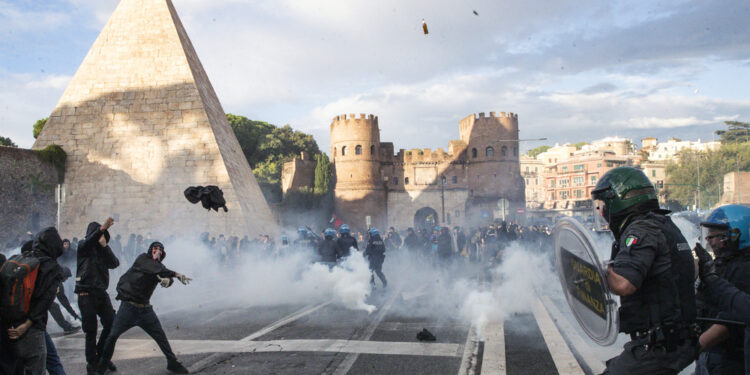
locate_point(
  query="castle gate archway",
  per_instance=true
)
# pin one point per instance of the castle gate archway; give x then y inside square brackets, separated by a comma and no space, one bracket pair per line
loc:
[425,218]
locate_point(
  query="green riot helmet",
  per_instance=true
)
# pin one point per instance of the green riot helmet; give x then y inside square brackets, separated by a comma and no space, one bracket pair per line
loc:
[622,188]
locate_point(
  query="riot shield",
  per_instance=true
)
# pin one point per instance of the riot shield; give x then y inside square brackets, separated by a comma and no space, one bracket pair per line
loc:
[584,282]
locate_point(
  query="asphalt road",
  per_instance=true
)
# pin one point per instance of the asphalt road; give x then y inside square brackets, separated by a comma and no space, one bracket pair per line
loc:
[327,339]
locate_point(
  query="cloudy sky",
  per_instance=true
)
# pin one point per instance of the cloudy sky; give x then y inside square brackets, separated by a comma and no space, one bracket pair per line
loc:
[572,69]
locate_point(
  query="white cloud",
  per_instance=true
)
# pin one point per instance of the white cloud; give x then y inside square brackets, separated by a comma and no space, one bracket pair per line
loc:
[14,19]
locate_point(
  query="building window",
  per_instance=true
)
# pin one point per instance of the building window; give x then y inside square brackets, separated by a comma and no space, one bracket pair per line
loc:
[551,183]
[536,169]
[552,196]
[578,181]
[593,180]
[565,168]
[515,151]
[343,151]
[564,182]
[473,152]
[578,194]
[448,216]
[536,182]
[457,214]
[406,180]
[334,152]
[489,152]
[358,150]
[578,167]
[599,165]
[527,169]
[455,179]
[527,182]
[609,164]
[564,194]
[504,150]
[372,150]
[653,173]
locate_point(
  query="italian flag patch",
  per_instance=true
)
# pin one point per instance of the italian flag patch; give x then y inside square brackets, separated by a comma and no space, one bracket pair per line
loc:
[631,240]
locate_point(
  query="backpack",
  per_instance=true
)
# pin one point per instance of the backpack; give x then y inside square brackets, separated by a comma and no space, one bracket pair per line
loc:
[17,279]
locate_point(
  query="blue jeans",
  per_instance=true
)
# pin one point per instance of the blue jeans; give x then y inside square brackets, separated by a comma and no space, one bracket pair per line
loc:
[54,366]
[129,316]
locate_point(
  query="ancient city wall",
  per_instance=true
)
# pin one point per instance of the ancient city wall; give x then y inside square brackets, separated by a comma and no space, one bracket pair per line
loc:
[27,193]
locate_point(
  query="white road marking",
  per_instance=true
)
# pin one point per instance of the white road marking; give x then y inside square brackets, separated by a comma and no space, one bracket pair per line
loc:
[493,359]
[596,365]
[145,348]
[284,321]
[471,353]
[220,355]
[564,360]
[350,358]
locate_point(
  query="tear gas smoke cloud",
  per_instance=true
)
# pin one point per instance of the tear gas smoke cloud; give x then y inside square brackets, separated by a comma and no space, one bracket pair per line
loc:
[254,279]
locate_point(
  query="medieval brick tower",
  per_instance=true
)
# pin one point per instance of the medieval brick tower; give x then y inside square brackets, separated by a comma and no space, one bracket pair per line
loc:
[140,122]
[356,148]
[475,181]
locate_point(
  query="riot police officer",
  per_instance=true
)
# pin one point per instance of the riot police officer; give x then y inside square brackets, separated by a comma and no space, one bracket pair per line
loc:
[723,232]
[346,242]
[653,272]
[327,248]
[375,254]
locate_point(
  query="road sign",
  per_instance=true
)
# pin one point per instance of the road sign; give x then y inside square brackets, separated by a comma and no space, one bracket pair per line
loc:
[520,210]
[584,282]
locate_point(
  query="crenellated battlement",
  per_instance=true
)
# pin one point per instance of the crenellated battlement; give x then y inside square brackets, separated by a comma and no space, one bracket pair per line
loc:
[353,116]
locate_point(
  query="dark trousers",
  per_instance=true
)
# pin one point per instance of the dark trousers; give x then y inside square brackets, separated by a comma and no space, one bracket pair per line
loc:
[129,316]
[638,358]
[54,366]
[93,305]
[376,266]
[57,314]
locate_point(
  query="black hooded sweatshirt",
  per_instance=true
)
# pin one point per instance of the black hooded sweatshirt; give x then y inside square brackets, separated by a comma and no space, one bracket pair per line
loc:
[94,261]
[138,283]
[47,247]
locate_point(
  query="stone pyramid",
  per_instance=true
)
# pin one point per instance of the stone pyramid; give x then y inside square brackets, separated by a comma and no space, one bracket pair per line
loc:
[140,122]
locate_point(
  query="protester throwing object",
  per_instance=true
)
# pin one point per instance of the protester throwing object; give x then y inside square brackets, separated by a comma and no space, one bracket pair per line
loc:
[134,290]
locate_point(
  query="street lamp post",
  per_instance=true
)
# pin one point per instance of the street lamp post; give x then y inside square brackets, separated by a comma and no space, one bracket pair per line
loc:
[442,195]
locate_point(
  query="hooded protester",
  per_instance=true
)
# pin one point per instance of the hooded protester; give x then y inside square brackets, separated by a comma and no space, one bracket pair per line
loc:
[346,242]
[55,311]
[95,259]
[24,332]
[375,254]
[134,290]
[412,242]
[444,245]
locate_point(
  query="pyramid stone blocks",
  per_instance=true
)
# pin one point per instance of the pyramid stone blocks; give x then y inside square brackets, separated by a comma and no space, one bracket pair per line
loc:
[141,122]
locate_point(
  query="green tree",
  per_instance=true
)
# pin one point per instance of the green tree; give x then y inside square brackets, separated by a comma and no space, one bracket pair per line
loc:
[703,173]
[267,147]
[537,150]
[737,132]
[322,174]
[7,142]
[38,126]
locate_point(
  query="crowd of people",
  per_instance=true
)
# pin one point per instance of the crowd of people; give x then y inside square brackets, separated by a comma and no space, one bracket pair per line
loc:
[651,268]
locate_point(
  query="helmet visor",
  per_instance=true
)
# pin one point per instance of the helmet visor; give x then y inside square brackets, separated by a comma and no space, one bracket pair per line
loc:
[714,239]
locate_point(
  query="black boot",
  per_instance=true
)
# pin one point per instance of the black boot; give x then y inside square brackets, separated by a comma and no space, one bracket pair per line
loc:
[177,367]
[91,369]
[111,366]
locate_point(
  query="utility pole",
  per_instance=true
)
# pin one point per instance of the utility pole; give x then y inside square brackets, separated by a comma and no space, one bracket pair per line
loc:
[698,192]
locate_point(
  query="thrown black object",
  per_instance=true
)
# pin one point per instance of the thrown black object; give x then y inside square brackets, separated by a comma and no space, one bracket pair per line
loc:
[425,335]
[211,197]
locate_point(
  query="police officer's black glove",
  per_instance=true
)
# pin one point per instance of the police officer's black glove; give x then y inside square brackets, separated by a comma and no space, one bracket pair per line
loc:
[706,267]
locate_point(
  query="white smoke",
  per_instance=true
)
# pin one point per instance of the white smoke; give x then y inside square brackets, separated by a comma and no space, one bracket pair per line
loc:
[255,279]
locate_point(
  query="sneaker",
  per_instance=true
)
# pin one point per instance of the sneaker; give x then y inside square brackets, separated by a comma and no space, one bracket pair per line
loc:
[177,368]
[71,330]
